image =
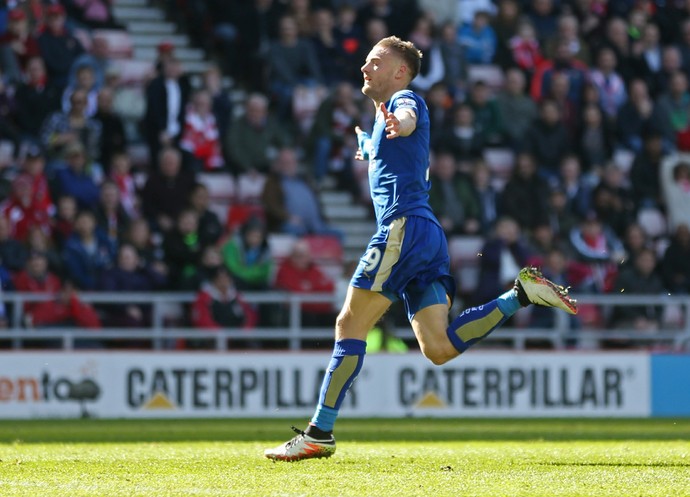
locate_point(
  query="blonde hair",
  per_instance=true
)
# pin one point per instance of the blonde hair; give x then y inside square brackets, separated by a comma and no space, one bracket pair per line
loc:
[410,54]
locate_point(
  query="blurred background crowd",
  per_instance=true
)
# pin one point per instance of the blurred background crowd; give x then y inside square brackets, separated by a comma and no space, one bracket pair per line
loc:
[559,134]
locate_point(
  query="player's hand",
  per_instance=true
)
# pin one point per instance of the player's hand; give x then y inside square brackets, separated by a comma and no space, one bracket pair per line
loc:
[392,123]
[359,155]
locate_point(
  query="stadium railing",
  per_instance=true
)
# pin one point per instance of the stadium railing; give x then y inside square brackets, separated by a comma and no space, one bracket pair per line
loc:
[673,334]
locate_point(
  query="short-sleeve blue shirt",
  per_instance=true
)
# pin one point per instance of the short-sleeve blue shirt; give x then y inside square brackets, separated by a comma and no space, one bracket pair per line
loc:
[399,168]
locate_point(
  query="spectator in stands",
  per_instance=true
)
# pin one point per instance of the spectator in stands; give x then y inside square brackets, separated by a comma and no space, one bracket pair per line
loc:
[397,19]
[577,191]
[165,190]
[542,13]
[439,102]
[210,227]
[113,135]
[38,241]
[641,279]
[547,140]
[617,38]
[64,309]
[209,261]
[515,108]
[637,115]
[248,257]
[255,137]
[330,137]
[486,114]
[432,69]
[58,45]
[478,39]
[200,138]
[18,45]
[595,139]
[648,54]
[219,304]
[130,275]
[485,195]
[612,199]
[502,254]
[463,139]
[23,210]
[505,24]
[525,51]
[569,31]
[452,197]
[36,98]
[120,173]
[523,196]
[567,104]
[78,178]
[63,225]
[675,186]
[563,62]
[221,100]
[111,217]
[290,203]
[150,253]
[87,252]
[291,61]
[635,240]
[299,273]
[182,248]
[257,25]
[86,81]
[644,172]
[559,217]
[166,99]
[608,82]
[595,244]
[328,50]
[61,129]
[674,106]
[13,253]
[453,56]
[675,265]
[97,58]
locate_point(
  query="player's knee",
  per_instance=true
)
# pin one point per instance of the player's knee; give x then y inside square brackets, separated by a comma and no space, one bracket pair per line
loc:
[439,354]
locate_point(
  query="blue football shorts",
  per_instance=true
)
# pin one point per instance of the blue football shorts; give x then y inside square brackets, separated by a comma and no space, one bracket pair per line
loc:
[407,260]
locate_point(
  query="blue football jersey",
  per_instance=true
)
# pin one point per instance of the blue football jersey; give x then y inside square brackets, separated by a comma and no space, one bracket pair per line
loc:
[399,168]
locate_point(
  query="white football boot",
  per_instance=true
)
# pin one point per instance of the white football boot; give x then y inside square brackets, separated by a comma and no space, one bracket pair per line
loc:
[301,447]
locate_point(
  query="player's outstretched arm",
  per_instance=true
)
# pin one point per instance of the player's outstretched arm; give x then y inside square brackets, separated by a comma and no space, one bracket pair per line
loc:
[402,122]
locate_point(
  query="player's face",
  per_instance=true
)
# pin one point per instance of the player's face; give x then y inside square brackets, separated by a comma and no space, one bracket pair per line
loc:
[380,71]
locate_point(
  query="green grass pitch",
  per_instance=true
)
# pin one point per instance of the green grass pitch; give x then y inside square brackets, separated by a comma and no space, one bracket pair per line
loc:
[388,458]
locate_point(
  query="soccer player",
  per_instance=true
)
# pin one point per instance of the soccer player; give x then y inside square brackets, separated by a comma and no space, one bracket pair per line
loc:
[407,257]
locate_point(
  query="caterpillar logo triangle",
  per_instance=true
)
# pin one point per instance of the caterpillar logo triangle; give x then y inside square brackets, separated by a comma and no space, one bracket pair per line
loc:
[430,400]
[159,401]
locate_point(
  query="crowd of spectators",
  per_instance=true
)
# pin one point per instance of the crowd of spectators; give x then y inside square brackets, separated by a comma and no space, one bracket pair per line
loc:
[559,135]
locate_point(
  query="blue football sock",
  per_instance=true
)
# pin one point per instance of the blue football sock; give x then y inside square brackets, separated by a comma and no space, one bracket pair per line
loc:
[475,323]
[346,362]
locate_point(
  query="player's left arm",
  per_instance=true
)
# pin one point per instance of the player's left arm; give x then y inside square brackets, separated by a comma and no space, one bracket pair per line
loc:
[402,122]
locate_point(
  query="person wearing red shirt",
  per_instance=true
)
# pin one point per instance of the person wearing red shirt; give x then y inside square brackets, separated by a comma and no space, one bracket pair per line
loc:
[22,43]
[218,304]
[22,211]
[63,309]
[300,274]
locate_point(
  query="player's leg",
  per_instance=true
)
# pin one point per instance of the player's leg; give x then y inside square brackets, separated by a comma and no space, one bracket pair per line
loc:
[361,310]
[440,341]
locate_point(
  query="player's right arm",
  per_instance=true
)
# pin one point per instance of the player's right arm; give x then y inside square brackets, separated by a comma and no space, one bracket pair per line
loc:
[363,140]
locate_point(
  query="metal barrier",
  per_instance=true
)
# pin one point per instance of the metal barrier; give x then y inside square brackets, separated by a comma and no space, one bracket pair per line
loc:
[561,336]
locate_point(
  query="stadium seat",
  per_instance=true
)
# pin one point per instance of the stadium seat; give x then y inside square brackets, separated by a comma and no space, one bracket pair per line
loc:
[325,249]
[464,258]
[221,186]
[280,245]
[133,72]
[653,222]
[501,162]
[118,41]
[490,74]
[238,214]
